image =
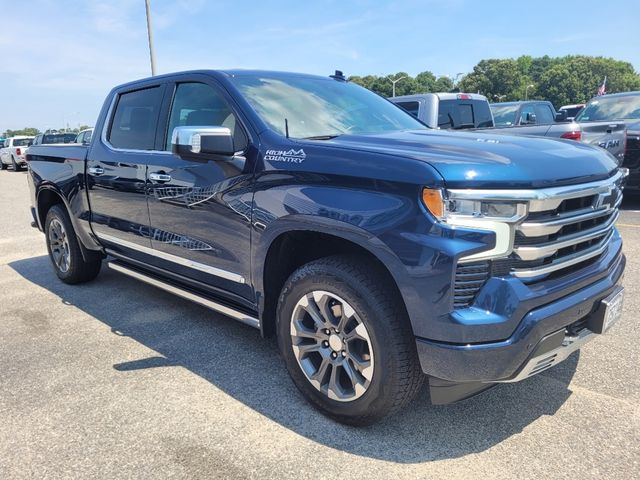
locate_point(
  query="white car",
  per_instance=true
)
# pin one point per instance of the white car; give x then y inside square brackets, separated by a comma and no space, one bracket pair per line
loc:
[13,152]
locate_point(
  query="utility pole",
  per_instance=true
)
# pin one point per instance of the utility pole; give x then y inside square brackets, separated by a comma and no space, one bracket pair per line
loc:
[152,54]
[393,83]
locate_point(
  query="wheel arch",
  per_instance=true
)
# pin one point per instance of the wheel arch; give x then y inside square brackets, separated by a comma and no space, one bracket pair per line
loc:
[46,198]
[299,239]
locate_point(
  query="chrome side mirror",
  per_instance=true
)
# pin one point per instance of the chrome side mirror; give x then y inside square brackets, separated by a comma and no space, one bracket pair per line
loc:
[202,140]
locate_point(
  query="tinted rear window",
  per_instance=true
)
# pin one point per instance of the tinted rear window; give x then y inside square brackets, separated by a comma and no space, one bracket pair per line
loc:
[411,107]
[464,114]
[572,112]
[22,142]
[58,138]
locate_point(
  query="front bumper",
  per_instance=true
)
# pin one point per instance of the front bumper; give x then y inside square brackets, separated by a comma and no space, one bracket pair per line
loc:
[502,361]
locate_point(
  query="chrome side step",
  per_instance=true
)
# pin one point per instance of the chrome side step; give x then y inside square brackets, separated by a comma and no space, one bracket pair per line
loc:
[194,297]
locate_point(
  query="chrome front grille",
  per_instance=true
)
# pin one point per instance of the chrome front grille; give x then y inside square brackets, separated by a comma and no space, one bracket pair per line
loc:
[554,232]
[560,233]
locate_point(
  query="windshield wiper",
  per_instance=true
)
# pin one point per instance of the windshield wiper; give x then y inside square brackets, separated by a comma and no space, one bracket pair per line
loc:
[322,137]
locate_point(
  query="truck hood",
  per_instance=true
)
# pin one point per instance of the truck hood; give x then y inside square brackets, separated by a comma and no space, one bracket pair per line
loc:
[479,160]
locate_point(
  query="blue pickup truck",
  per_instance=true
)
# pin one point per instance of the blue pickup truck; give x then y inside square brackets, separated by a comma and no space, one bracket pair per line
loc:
[380,252]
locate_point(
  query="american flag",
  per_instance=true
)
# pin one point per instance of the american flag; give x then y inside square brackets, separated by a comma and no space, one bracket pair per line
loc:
[603,88]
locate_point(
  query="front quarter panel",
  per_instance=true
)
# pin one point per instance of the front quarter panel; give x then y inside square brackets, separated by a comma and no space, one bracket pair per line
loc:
[358,197]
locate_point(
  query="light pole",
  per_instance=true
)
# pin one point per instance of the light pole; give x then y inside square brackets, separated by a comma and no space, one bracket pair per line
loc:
[499,97]
[526,91]
[152,54]
[393,83]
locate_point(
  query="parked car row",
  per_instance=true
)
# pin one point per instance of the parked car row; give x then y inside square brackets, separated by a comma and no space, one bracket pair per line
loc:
[13,150]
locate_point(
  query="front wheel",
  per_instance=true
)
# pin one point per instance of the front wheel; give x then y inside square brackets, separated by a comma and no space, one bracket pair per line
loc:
[64,249]
[346,340]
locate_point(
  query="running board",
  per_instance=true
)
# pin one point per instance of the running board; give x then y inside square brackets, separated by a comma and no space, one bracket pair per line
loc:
[180,292]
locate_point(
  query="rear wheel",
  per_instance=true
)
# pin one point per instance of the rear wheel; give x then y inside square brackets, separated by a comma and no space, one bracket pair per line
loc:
[64,249]
[14,164]
[3,166]
[346,340]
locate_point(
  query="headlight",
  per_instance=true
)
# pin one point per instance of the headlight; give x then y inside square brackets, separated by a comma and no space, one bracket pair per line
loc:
[444,209]
[498,216]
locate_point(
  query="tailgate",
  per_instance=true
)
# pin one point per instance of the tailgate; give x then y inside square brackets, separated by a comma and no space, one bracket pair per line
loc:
[607,135]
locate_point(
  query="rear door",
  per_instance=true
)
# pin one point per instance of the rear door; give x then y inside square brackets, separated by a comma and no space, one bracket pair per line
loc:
[200,208]
[117,169]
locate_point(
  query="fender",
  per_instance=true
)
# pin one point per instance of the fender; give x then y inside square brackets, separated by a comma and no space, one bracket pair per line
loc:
[329,226]
[88,245]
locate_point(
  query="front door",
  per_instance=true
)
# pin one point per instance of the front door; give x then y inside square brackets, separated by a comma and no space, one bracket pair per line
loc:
[117,170]
[200,209]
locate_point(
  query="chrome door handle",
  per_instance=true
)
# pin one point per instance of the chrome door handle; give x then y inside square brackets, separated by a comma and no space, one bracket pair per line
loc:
[96,170]
[159,177]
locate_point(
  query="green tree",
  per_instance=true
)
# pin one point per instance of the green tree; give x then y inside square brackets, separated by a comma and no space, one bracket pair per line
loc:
[28,131]
[496,78]
[443,84]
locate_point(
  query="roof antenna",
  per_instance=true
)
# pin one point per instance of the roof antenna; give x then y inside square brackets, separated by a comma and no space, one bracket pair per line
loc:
[286,127]
[338,76]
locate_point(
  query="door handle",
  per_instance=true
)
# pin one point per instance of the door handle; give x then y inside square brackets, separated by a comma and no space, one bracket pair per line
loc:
[160,177]
[96,170]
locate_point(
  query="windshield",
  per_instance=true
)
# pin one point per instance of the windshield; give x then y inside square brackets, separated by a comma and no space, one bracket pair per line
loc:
[611,108]
[504,115]
[318,107]
[22,142]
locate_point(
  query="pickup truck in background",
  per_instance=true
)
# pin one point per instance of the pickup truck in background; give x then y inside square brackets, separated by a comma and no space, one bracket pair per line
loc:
[571,111]
[533,117]
[457,111]
[453,111]
[13,152]
[379,252]
[51,138]
[84,136]
[613,123]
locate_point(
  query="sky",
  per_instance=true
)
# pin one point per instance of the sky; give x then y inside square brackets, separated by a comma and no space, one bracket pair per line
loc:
[60,58]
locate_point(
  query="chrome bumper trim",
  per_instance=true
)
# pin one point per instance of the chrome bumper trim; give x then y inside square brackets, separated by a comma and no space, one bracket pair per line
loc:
[547,360]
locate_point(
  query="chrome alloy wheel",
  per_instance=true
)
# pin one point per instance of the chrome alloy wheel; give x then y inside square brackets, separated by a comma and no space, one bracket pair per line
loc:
[59,244]
[332,346]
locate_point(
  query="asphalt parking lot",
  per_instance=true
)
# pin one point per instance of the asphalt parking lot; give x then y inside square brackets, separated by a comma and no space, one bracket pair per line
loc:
[115,379]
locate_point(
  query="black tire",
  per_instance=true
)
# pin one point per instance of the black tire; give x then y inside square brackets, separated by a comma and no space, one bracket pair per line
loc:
[14,164]
[3,166]
[77,269]
[397,376]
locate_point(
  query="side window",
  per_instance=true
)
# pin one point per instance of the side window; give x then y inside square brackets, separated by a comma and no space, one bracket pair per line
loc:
[544,114]
[87,136]
[527,115]
[135,119]
[198,104]
[411,107]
